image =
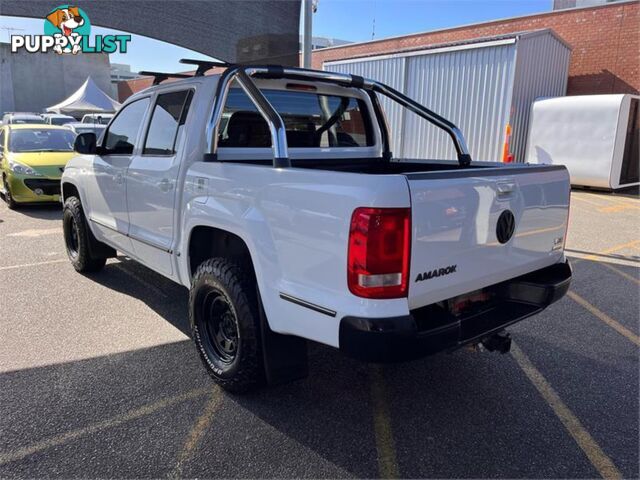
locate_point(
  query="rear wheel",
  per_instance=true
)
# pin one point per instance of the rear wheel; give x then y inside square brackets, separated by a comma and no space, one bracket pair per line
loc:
[11,203]
[224,316]
[77,238]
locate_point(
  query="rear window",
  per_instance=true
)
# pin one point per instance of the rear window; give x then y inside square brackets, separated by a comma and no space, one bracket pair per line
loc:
[311,120]
[62,120]
[25,120]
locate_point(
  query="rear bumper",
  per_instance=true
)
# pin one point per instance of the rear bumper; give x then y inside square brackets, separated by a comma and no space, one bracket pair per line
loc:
[432,329]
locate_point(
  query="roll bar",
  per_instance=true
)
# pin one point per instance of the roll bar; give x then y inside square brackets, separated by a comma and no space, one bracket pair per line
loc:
[243,75]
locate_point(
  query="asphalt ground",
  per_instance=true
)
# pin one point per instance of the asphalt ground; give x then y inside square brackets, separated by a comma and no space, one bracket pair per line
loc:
[99,379]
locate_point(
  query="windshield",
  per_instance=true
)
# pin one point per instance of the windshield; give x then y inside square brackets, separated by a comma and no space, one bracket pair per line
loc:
[61,120]
[41,140]
[23,120]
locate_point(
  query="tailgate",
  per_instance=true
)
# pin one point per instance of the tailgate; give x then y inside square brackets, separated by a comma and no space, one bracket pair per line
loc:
[476,227]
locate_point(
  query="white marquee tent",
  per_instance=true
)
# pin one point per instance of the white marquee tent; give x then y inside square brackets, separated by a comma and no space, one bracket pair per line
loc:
[87,99]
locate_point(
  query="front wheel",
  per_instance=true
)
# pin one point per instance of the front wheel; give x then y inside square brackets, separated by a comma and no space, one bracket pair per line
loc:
[77,238]
[8,197]
[224,317]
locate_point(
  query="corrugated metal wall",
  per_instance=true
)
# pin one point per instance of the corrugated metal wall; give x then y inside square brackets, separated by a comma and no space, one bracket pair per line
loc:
[542,70]
[480,87]
[390,71]
[468,87]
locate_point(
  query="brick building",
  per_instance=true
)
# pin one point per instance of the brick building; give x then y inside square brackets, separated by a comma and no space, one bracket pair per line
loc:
[605,41]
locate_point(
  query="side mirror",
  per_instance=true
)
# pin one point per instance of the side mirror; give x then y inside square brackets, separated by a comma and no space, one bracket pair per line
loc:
[85,143]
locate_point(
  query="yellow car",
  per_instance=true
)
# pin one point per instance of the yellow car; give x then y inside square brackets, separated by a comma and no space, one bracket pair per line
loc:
[32,158]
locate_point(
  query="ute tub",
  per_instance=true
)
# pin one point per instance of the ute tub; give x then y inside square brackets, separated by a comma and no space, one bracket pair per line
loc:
[431,329]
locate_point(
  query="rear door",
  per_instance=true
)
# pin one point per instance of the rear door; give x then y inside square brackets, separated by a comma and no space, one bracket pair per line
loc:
[151,180]
[105,187]
[476,227]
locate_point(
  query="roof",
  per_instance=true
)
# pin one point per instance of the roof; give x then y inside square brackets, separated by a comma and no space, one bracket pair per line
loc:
[89,98]
[514,37]
[22,114]
[85,125]
[39,126]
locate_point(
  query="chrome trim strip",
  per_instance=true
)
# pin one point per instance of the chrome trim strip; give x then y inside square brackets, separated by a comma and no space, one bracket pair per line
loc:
[309,305]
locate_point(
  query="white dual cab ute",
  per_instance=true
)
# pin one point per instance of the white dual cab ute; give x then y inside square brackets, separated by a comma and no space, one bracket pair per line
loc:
[272,194]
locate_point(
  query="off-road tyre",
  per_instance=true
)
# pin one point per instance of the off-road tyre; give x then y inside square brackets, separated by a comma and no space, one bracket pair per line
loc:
[8,198]
[223,308]
[78,237]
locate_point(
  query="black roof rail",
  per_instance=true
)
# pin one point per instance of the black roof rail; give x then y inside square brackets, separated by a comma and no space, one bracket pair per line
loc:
[161,76]
[203,65]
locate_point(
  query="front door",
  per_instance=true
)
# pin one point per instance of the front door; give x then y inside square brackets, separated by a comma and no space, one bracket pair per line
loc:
[151,181]
[106,192]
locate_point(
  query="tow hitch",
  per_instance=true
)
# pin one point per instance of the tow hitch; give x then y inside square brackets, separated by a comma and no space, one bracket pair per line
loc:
[498,342]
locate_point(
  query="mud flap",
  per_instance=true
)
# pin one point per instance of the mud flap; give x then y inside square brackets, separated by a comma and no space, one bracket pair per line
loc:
[285,356]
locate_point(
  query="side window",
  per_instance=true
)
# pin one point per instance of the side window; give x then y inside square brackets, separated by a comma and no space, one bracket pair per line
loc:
[121,137]
[167,122]
[1,141]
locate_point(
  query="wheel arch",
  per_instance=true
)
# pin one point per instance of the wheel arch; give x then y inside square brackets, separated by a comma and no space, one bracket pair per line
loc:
[206,241]
[69,189]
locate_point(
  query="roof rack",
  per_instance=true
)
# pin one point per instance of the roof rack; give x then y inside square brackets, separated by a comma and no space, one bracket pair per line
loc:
[203,65]
[161,76]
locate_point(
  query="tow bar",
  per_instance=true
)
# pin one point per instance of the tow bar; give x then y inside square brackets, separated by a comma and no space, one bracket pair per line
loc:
[498,342]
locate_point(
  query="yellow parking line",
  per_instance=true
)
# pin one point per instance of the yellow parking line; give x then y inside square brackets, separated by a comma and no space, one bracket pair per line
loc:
[197,432]
[36,264]
[582,199]
[585,441]
[615,248]
[605,318]
[624,200]
[620,207]
[20,453]
[620,272]
[387,461]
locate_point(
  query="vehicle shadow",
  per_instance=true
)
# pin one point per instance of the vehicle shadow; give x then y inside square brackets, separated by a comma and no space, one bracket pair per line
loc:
[163,296]
[457,415]
[42,212]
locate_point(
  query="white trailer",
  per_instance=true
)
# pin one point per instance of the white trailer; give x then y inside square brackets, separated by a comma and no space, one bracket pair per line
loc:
[594,136]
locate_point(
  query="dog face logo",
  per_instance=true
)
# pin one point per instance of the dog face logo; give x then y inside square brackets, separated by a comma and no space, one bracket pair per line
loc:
[68,21]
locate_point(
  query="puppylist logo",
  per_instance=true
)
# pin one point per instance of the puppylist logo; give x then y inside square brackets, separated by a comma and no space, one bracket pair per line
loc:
[67,29]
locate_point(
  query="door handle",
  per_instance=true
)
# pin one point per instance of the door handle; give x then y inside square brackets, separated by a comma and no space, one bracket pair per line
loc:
[505,188]
[165,185]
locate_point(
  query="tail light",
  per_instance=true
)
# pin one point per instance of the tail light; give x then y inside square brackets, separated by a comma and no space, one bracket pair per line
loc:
[379,248]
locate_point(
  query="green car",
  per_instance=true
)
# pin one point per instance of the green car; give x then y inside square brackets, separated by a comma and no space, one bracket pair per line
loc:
[32,159]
